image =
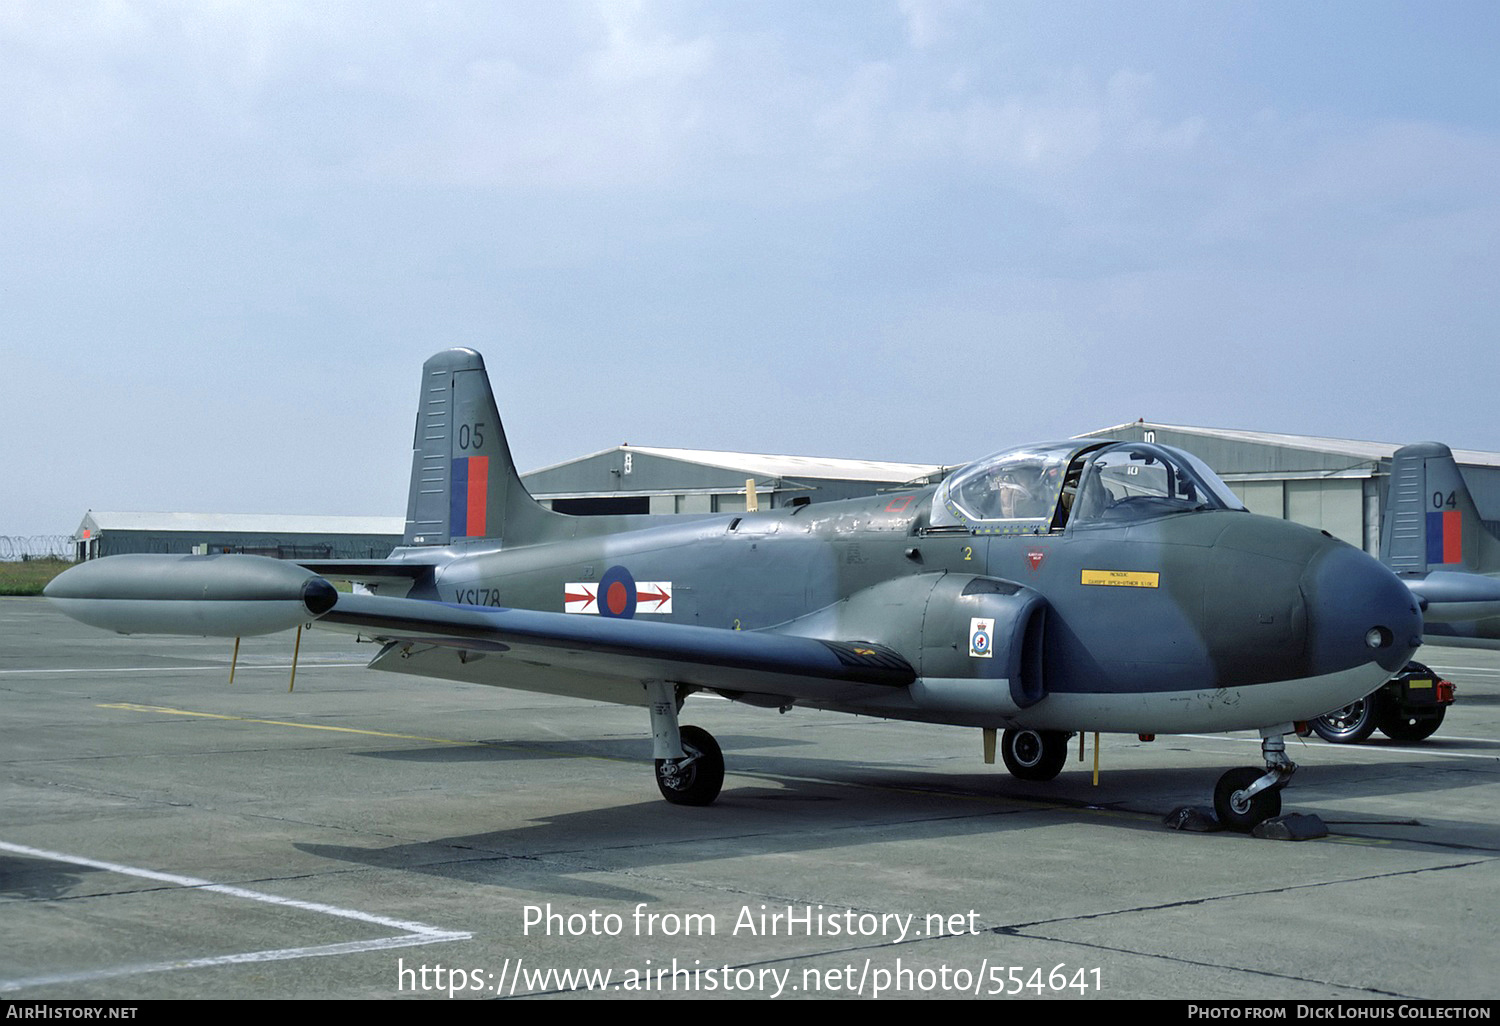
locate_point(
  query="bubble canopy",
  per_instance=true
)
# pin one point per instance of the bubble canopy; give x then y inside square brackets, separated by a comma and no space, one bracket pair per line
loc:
[1037,489]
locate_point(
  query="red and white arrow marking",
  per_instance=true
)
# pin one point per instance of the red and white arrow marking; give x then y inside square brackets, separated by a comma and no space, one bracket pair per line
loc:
[653,597]
[581,598]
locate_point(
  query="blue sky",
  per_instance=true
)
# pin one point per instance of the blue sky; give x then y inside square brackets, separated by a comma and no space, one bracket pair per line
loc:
[897,230]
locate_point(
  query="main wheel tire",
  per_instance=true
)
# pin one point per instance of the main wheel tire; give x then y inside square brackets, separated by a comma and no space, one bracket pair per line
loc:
[1034,754]
[1400,726]
[700,782]
[1352,724]
[1236,813]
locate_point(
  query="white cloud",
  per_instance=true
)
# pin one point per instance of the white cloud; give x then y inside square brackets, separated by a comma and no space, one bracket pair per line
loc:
[929,23]
[636,50]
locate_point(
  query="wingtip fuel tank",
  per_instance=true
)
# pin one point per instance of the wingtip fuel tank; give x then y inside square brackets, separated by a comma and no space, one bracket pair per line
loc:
[210,596]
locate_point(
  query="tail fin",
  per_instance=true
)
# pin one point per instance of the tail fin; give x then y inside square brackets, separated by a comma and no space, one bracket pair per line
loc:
[464,482]
[1431,521]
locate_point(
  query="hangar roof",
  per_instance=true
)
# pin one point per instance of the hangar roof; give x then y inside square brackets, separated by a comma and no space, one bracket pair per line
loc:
[762,464]
[1352,449]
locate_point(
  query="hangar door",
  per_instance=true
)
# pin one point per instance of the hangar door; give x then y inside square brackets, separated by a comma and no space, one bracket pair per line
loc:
[1337,507]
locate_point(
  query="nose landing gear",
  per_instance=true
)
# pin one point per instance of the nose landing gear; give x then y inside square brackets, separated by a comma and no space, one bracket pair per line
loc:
[1248,796]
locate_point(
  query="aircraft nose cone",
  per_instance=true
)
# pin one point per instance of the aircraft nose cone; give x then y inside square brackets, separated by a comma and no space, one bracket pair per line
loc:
[1358,612]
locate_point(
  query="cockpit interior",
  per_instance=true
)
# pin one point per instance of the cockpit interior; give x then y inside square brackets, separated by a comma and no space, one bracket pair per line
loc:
[1041,489]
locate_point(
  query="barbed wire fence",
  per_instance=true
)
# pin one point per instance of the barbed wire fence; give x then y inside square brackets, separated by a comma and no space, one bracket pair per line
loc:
[17,547]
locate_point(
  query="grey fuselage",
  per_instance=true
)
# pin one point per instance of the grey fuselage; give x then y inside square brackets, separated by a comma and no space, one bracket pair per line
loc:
[1194,620]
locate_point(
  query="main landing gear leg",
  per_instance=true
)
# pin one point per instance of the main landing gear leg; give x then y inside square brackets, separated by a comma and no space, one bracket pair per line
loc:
[1247,796]
[689,764]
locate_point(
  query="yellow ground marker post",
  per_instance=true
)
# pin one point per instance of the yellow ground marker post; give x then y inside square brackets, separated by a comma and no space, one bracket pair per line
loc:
[295,650]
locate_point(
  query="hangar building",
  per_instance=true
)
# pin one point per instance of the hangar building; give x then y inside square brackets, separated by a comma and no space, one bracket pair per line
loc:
[285,536]
[1334,484]
[626,479]
[642,479]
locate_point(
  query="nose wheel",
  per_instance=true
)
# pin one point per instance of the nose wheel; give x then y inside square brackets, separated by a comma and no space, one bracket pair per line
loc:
[1249,796]
[1240,808]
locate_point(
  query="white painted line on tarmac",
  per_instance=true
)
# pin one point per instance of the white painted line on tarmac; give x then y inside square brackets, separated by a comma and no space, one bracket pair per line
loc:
[1462,672]
[412,933]
[1373,749]
[178,669]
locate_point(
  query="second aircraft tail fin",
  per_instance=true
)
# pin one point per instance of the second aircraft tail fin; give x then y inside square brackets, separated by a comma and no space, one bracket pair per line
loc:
[1431,520]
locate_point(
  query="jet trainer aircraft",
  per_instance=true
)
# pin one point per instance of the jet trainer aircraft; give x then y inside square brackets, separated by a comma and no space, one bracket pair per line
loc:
[1072,586]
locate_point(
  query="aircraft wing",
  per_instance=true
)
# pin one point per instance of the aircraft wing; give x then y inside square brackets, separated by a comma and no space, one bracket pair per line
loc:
[391,578]
[608,657]
[598,657]
[1448,596]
